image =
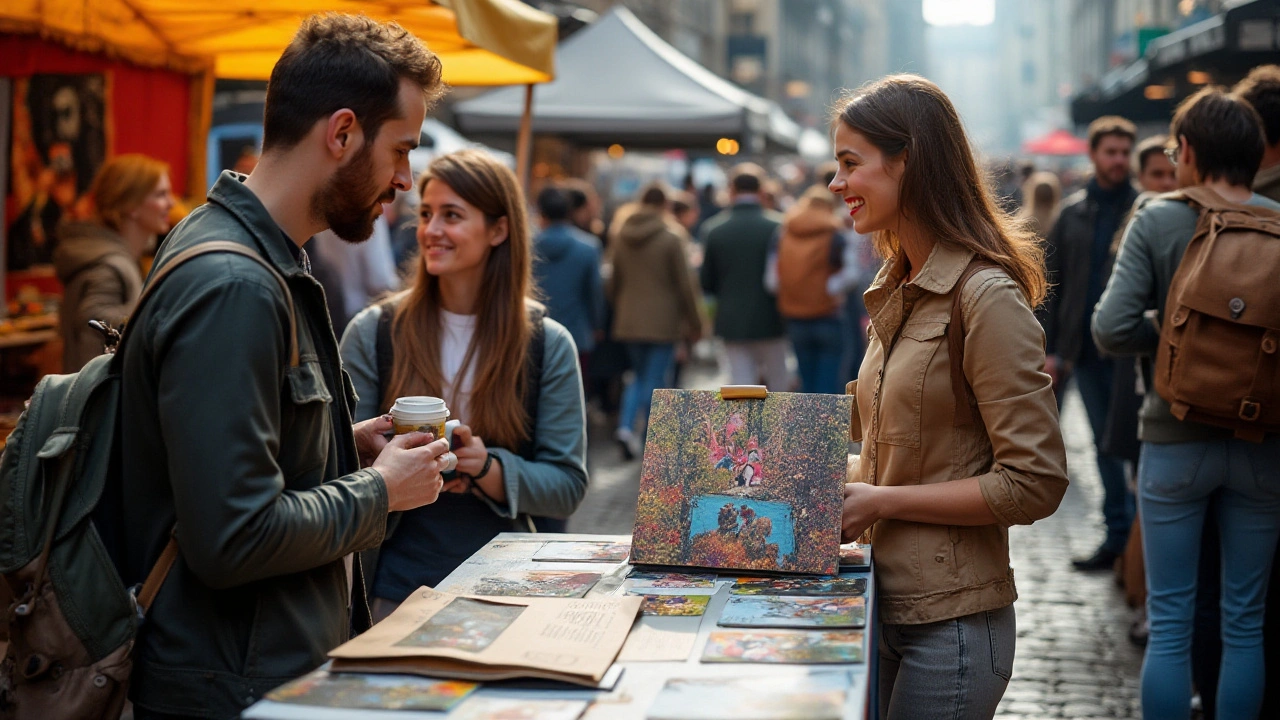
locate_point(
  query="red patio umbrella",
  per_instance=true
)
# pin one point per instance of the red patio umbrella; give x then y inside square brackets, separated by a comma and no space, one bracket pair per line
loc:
[1058,142]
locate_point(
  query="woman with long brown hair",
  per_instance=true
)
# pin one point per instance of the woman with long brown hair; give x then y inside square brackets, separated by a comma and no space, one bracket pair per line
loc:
[468,331]
[959,425]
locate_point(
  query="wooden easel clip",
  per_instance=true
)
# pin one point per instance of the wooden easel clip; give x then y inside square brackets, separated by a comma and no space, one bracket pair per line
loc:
[743,392]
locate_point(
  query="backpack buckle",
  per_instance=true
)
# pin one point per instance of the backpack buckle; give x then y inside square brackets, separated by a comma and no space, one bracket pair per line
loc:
[110,335]
[1250,410]
[139,615]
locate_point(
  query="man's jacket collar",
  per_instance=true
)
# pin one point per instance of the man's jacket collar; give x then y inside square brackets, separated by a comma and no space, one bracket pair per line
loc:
[230,193]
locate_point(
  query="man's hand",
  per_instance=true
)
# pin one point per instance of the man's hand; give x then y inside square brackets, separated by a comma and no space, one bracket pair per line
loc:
[861,510]
[371,437]
[410,467]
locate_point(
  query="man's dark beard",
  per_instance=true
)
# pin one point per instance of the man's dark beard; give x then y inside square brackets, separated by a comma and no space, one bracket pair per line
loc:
[340,203]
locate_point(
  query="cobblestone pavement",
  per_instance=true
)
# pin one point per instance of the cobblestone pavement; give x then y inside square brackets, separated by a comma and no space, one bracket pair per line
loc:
[1073,658]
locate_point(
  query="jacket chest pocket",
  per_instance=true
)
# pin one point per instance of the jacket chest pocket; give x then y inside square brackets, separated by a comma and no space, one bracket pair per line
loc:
[902,393]
[306,426]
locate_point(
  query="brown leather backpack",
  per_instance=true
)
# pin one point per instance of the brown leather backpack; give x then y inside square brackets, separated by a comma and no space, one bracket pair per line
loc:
[1219,356]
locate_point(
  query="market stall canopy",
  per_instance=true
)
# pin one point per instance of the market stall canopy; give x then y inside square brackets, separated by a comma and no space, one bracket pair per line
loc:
[480,42]
[1058,142]
[618,82]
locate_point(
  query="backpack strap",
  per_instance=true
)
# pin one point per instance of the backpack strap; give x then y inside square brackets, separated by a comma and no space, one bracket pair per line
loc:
[965,400]
[384,348]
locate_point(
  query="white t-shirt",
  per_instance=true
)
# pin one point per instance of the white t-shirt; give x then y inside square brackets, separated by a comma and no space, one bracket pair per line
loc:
[458,331]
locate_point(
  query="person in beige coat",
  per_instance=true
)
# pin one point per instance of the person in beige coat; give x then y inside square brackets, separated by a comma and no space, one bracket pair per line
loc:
[958,420]
[97,259]
[654,303]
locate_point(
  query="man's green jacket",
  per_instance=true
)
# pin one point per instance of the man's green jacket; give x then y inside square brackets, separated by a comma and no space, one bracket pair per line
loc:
[252,463]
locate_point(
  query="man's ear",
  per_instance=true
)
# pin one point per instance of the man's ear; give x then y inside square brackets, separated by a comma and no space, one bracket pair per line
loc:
[499,232]
[343,133]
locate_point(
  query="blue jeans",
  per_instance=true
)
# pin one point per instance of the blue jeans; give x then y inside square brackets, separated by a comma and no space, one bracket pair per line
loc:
[819,344]
[1175,484]
[652,364]
[1093,378]
[951,669]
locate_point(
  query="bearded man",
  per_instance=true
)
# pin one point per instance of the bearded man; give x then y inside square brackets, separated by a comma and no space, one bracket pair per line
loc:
[248,458]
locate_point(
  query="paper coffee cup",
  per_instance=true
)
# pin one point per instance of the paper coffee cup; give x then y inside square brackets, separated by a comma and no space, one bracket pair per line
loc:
[419,414]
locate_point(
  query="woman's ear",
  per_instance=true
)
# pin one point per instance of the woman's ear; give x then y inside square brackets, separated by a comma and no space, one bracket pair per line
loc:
[499,231]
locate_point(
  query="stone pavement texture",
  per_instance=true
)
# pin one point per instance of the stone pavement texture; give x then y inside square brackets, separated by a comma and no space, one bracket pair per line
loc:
[1073,659]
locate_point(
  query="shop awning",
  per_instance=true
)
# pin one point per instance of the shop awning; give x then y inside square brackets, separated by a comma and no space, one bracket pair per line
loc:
[1058,142]
[618,82]
[1221,49]
[480,42]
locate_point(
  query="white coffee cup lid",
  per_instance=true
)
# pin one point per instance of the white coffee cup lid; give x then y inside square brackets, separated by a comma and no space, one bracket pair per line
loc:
[420,404]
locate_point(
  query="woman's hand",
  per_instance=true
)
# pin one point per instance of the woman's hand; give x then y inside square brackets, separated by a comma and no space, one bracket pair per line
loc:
[473,455]
[371,437]
[470,449]
[861,510]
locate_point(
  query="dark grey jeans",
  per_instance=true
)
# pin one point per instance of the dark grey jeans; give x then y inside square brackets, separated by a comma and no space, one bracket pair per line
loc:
[954,669]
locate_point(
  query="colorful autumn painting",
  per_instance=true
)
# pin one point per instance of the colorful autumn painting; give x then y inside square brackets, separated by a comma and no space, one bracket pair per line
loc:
[372,692]
[537,583]
[743,484]
[798,647]
[681,605]
[801,612]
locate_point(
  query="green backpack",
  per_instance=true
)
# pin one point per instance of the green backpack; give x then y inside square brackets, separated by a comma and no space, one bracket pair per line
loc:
[72,621]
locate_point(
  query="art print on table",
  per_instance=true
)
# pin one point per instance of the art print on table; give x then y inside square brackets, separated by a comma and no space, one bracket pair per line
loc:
[372,691]
[578,551]
[800,586]
[537,583]
[463,624]
[743,484]
[816,695]
[802,612]
[670,580]
[855,556]
[490,708]
[798,647]
[681,605]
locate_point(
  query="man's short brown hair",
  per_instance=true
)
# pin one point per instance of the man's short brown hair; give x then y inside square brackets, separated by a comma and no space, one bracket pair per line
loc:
[746,178]
[1261,89]
[1225,132]
[1110,125]
[338,61]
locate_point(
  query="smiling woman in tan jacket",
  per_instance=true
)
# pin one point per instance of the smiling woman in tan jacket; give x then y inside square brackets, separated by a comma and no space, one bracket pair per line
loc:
[954,451]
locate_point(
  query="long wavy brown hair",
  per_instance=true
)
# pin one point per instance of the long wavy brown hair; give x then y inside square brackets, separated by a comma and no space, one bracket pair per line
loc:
[501,341]
[941,191]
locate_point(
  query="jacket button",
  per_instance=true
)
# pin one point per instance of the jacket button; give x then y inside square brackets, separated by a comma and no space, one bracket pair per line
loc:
[939,558]
[99,681]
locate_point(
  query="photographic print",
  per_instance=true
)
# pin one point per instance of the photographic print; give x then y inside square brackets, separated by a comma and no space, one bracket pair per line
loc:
[800,586]
[816,695]
[743,484]
[372,692]
[464,624]
[567,551]
[538,583]
[670,580]
[798,647]
[487,708]
[855,556]
[806,612]
[683,605]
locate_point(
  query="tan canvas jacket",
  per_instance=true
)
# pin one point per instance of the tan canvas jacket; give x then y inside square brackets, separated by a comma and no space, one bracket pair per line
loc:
[926,573]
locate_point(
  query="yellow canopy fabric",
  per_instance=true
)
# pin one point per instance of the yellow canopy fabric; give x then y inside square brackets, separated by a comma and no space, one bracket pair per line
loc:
[480,42]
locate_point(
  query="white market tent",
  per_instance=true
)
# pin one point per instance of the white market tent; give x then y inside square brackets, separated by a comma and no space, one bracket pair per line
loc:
[618,82]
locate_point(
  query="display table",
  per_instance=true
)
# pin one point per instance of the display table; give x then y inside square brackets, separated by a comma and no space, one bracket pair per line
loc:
[640,682]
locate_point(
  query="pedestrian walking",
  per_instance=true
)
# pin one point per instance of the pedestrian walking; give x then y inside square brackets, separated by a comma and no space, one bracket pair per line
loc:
[955,361]
[239,442]
[655,306]
[804,273]
[1077,252]
[1042,195]
[735,251]
[566,269]
[97,259]
[1186,464]
[465,330]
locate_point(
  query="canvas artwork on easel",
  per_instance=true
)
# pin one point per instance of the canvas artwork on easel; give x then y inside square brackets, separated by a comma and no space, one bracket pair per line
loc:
[743,484]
